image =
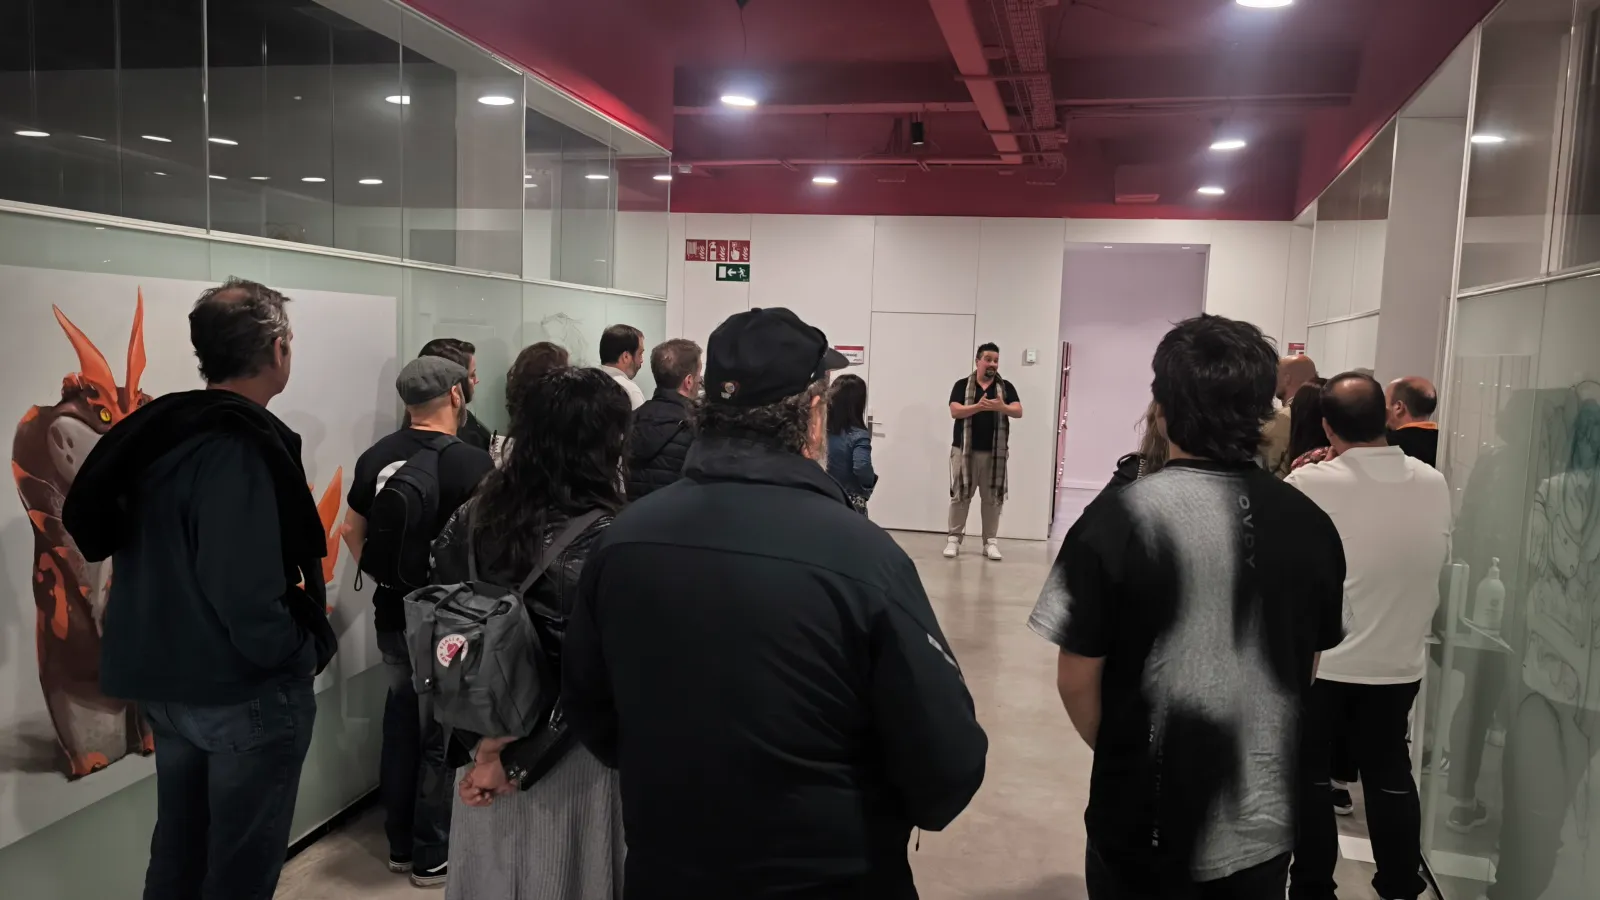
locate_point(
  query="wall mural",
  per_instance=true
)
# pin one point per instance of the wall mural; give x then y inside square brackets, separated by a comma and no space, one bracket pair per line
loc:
[63,744]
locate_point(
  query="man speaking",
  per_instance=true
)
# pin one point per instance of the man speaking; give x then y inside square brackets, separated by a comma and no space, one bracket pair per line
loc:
[982,405]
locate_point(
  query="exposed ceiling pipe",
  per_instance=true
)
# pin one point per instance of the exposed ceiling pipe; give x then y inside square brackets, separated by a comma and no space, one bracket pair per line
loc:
[961,35]
[1030,57]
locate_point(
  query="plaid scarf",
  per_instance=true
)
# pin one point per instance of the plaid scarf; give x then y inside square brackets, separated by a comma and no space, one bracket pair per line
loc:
[962,485]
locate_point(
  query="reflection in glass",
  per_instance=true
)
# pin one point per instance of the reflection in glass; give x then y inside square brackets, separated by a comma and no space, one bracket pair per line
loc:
[1581,238]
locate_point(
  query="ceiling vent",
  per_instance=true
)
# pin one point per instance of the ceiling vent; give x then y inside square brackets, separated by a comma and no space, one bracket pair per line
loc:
[1137,185]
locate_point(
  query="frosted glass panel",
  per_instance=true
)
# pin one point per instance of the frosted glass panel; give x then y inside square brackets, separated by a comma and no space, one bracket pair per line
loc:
[485,311]
[574,318]
[1361,343]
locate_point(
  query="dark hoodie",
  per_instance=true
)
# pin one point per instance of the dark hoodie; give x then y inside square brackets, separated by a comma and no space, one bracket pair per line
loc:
[201,500]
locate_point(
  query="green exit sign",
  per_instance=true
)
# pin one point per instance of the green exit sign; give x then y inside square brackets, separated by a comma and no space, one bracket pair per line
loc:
[733,272]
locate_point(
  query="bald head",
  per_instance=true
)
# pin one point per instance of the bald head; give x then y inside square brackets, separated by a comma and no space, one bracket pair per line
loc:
[1352,411]
[1294,371]
[1410,400]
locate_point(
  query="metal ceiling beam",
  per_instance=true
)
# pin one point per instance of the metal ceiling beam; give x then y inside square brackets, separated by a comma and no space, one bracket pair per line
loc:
[966,47]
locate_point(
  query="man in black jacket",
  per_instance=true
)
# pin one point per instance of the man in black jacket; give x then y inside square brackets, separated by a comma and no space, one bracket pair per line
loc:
[663,428]
[215,620]
[761,662]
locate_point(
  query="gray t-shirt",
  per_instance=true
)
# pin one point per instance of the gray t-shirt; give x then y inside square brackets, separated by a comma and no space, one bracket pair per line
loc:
[1207,589]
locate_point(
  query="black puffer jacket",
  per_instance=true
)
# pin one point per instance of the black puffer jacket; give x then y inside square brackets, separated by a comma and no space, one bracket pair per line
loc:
[551,598]
[663,429]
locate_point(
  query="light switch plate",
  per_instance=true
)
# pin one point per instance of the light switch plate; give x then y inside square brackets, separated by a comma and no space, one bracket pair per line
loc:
[1029,357]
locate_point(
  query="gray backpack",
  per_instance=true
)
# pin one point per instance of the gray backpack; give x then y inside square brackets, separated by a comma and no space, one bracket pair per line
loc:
[476,657]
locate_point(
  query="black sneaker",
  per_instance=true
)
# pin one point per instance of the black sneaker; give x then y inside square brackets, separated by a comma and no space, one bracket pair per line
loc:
[399,864]
[430,877]
[1343,803]
[1463,819]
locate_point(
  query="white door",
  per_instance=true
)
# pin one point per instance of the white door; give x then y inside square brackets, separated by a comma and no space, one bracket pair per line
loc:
[916,357]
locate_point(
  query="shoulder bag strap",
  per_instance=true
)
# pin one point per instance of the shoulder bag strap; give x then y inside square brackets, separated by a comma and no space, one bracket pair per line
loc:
[575,527]
[472,551]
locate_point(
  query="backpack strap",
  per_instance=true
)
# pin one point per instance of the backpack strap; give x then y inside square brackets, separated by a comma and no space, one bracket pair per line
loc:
[472,551]
[575,527]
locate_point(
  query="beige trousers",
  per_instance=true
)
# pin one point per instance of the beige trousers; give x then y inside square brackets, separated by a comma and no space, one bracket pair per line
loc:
[989,509]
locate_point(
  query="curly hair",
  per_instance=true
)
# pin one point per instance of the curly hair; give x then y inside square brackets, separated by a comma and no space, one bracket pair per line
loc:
[565,446]
[1215,379]
[533,361]
[785,424]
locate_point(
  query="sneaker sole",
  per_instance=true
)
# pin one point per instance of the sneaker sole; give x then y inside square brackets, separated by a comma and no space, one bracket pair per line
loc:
[429,881]
[399,868]
[1344,810]
[1465,829]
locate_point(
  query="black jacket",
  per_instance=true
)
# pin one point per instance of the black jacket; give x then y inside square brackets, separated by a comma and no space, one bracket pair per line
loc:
[1420,443]
[201,500]
[763,666]
[549,601]
[663,429]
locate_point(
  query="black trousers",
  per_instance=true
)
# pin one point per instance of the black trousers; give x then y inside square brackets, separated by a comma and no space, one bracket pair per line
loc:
[226,779]
[415,782]
[1374,719]
[1264,881]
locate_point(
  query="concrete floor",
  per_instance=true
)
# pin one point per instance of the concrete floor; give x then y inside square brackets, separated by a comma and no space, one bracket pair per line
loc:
[1021,839]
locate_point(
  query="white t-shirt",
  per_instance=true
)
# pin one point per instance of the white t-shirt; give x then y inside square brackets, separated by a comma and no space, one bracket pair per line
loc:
[1393,515]
[635,393]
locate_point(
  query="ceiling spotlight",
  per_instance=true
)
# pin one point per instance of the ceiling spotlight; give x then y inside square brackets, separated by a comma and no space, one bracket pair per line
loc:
[28,132]
[157,138]
[496,100]
[597,176]
[258,177]
[919,133]
[663,177]
[738,100]
[1226,144]
[824,179]
[162,174]
[223,141]
[1212,190]
[1476,139]
[1265,4]
[219,177]
[312,179]
[1108,247]
[398,99]
[370,181]
[528,184]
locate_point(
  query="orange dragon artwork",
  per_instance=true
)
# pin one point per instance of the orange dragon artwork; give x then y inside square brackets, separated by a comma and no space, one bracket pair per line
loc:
[50,446]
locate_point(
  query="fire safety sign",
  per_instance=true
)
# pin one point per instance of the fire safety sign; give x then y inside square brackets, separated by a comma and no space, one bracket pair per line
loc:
[716,251]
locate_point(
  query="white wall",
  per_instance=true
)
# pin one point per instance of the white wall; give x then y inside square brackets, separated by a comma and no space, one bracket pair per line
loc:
[1115,308]
[835,271]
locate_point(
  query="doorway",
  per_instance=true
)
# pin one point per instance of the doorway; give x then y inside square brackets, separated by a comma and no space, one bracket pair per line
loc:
[1117,301]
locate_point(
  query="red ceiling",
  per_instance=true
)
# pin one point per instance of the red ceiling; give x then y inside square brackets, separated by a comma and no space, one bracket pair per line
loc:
[1142,87]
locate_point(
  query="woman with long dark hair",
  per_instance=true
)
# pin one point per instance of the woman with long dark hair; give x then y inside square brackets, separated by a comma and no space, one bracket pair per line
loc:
[849,440]
[556,835]
[533,361]
[1308,441]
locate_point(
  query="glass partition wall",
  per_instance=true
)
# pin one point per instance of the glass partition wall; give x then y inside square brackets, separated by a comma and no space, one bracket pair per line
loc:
[1511,797]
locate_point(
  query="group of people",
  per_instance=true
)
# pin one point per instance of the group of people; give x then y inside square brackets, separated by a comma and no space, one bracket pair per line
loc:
[745,690]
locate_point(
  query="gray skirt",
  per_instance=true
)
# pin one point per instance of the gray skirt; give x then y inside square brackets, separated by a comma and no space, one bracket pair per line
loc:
[559,840]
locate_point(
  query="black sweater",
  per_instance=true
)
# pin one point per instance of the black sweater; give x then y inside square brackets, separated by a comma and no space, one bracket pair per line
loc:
[200,499]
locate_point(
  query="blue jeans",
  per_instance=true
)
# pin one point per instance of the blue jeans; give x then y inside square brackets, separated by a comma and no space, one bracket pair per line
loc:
[226,779]
[416,784]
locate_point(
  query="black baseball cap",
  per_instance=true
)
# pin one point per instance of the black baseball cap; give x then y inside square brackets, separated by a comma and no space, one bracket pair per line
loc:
[764,355]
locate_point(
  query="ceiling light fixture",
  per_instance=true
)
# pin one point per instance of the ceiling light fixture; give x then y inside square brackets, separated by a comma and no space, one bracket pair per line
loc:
[1476,139]
[1212,190]
[157,138]
[739,100]
[312,179]
[219,177]
[663,177]
[1265,4]
[28,132]
[598,176]
[398,99]
[162,174]
[495,100]
[1184,248]
[919,133]
[370,181]
[529,185]
[1227,144]
[258,177]
[824,179]
[223,141]
[1108,247]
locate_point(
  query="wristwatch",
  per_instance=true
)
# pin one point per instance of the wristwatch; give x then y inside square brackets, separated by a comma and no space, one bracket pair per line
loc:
[514,773]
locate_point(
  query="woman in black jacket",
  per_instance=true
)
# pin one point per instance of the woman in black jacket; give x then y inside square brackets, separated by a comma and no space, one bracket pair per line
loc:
[556,836]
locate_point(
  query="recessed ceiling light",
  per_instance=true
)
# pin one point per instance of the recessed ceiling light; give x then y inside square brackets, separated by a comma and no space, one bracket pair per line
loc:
[597,176]
[399,99]
[1108,247]
[739,100]
[1212,190]
[1476,139]
[495,100]
[162,174]
[90,137]
[223,141]
[824,179]
[1228,144]
[312,179]
[663,177]
[28,132]
[258,177]
[157,138]
[1184,248]
[528,184]
[1265,4]
[218,177]
[370,181]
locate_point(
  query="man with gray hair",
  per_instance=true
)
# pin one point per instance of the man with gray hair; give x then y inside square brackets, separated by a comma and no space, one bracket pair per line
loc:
[761,662]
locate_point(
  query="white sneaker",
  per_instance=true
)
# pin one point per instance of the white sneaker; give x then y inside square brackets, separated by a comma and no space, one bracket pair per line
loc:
[992,550]
[952,547]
